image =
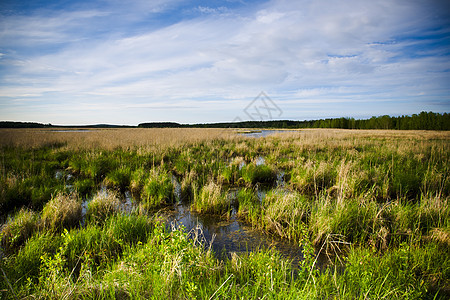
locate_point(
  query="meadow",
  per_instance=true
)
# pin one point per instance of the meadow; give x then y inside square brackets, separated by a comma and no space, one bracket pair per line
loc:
[374,202]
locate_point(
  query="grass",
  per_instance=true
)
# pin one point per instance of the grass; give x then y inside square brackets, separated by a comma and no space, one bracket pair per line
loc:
[158,189]
[262,174]
[16,231]
[212,199]
[249,205]
[62,211]
[103,205]
[378,199]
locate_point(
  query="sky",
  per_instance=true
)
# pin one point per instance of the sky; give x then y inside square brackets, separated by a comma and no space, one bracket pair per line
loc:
[128,62]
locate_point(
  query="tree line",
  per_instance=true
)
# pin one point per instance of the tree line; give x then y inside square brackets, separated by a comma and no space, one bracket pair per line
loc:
[422,121]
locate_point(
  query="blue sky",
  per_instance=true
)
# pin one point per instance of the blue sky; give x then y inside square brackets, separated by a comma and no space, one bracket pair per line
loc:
[128,62]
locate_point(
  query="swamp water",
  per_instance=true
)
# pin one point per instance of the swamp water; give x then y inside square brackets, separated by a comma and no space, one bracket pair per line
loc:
[224,235]
[263,132]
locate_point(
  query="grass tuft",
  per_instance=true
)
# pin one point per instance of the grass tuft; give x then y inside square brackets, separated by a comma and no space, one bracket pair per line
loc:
[18,229]
[211,199]
[158,190]
[62,211]
[103,205]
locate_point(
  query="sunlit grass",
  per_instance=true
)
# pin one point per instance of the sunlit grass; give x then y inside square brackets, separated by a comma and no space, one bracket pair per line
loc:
[378,199]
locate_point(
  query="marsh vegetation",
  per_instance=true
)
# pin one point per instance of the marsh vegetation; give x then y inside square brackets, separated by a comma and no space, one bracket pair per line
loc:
[374,202]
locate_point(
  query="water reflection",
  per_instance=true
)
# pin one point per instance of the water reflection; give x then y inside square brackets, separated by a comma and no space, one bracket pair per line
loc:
[262,133]
[227,235]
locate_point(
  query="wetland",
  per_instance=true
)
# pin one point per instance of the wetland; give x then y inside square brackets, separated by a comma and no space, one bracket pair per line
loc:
[220,214]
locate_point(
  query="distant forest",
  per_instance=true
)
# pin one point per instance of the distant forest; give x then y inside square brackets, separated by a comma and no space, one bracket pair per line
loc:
[422,121]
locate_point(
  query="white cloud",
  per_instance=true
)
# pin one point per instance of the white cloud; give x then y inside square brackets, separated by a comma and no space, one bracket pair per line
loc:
[295,50]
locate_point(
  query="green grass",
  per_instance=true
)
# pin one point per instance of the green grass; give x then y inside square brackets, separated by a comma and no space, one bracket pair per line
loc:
[103,205]
[94,262]
[118,178]
[253,174]
[62,211]
[377,199]
[212,199]
[249,205]
[16,231]
[158,189]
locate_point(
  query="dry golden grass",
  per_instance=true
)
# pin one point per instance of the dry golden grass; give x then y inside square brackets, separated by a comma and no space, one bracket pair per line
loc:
[160,138]
[150,139]
[62,211]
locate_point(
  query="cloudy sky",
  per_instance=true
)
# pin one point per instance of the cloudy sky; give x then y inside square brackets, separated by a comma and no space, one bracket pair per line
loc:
[127,62]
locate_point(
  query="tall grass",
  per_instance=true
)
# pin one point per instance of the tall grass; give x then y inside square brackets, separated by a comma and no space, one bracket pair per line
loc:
[18,229]
[249,206]
[212,199]
[285,213]
[62,211]
[158,189]
[103,205]
[92,263]
[253,174]
[380,197]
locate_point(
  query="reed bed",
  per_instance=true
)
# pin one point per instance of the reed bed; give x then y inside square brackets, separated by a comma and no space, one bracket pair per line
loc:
[143,139]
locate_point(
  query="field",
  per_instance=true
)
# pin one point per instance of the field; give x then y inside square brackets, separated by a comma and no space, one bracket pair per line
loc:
[374,203]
